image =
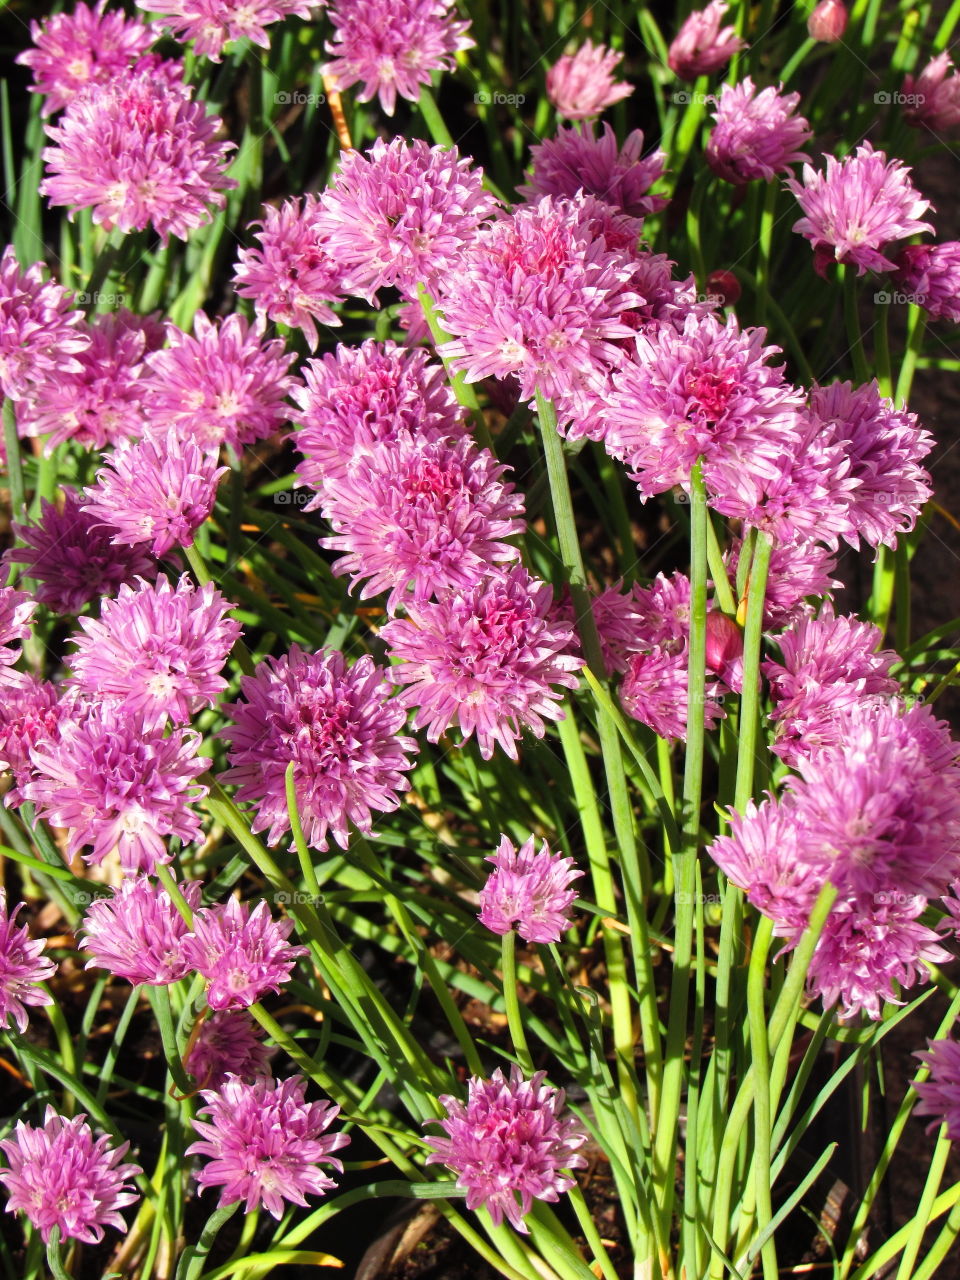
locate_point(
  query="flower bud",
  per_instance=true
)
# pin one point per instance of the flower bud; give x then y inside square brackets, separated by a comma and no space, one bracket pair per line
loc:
[725,286]
[828,21]
[724,641]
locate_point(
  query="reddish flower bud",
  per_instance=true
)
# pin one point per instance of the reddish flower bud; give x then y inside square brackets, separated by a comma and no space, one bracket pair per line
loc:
[724,641]
[725,286]
[828,21]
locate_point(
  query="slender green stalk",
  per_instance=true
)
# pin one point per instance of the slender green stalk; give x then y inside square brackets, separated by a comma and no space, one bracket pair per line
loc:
[851,315]
[511,999]
[760,1053]
[921,1218]
[54,1261]
[750,698]
[916,328]
[432,118]
[191,1263]
[768,219]
[11,444]
[462,389]
[668,1120]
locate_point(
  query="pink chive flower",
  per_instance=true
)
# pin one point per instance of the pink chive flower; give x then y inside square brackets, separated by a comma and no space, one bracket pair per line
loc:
[530,890]
[578,160]
[400,214]
[509,1144]
[341,729]
[264,1142]
[702,46]
[229,1042]
[930,274]
[157,491]
[940,1095]
[71,557]
[707,391]
[212,24]
[242,954]
[139,152]
[290,275]
[800,569]
[756,135]
[157,649]
[104,402]
[885,446]
[857,208]
[30,710]
[392,46]
[22,968]
[828,21]
[224,384]
[114,784]
[488,659]
[764,855]
[867,952]
[83,47]
[828,664]
[16,610]
[137,933]
[933,97]
[538,295]
[423,515]
[359,397]
[654,691]
[41,333]
[60,1176]
[582,84]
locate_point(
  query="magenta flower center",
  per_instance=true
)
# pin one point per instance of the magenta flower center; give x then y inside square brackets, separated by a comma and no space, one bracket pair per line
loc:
[711,390]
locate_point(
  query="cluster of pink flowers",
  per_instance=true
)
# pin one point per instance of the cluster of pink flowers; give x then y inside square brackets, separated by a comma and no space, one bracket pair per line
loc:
[582,84]
[212,24]
[529,889]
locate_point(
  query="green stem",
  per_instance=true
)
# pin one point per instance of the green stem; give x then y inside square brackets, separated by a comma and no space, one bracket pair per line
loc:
[750,697]
[11,444]
[760,1053]
[433,119]
[462,389]
[718,572]
[511,999]
[916,328]
[54,1261]
[764,244]
[191,1263]
[852,318]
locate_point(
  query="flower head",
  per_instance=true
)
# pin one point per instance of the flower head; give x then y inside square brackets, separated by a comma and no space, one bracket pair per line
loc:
[828,665]
[578,160]
[581,85]
[828,21]
[530,890]
[359,397]
[654,691]
[104,402]
[706,391]
[265,1142]
[933,97]
[158,490]
[508,1144]
[702,46]
[22,967]
[117,785]
[884,446]
[85,46]
[940,1095]
[139,152]
[757,135]
[29,710]
[400,214]
[16,610]
[488,659]
[339,727]
[392,46]
[137,933]
[539,295]
[423,515]
[931,274]
[857,208]
[242,954]
[60,1176]
[157,649]
[69,553]
[41,333]
[291,277]
[211,24]
[229,1042]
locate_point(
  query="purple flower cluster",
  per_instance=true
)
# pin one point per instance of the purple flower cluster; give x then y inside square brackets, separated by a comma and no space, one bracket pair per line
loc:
[528,889]
[211,24]
[582,84]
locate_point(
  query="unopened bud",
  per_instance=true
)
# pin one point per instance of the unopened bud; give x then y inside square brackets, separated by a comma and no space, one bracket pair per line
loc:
[828,21]
[724,641]
[725,286]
